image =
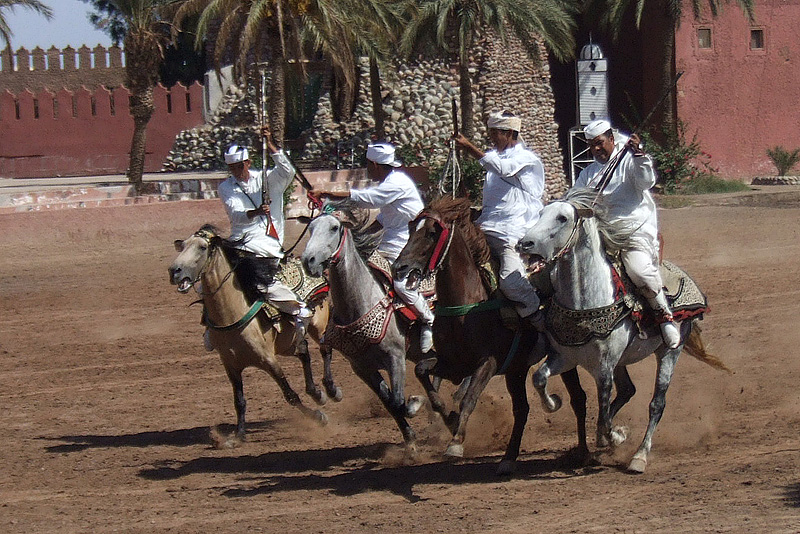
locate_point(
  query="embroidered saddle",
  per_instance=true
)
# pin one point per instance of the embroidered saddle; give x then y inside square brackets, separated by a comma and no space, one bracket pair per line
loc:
[577,327]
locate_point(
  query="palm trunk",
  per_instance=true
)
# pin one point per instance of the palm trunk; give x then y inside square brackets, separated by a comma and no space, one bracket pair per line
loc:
[466,100]
[277,101]
[141,109]
[377,101]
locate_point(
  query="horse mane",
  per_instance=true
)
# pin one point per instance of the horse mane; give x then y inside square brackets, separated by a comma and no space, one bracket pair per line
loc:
[457,211]
[616,233]
[357,218]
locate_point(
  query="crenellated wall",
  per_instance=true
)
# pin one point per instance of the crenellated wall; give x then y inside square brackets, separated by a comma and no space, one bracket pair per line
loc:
[61,68]
[72,133]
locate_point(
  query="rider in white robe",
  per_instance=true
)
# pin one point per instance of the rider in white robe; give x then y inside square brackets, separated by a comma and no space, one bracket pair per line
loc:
[399,202]
[241,195]
[628,197]
[512,200]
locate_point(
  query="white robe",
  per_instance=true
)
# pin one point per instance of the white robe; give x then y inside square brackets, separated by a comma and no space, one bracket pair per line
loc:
[399,202]
[238,198]
[512,193]
[628,195]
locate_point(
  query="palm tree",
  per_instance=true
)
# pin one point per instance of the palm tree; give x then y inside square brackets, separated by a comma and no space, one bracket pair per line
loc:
[462,22]
[144,41]
[612,13]
[8,5]
[285,32]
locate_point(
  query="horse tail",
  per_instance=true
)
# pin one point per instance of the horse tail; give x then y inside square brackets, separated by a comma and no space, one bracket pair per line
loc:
[695,347]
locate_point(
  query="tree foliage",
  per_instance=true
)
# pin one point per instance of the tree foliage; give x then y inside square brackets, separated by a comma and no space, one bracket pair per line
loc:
[10,5]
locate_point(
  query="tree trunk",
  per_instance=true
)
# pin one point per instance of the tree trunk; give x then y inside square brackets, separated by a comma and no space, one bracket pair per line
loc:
[141,109]
[276,107]
[669,108]
[466,100]
[377,100]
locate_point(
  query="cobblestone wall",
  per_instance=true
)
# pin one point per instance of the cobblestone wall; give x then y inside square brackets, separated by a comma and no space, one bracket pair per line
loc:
[417,102]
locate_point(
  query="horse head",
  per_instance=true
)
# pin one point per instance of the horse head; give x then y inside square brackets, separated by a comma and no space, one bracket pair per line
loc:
[194,255]
[326,234]
[428,242]
[554,233]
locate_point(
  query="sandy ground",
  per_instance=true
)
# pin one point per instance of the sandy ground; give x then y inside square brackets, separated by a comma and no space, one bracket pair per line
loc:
[108,398]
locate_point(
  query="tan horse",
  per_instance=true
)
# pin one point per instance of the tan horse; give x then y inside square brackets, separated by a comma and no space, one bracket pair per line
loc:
[242,334]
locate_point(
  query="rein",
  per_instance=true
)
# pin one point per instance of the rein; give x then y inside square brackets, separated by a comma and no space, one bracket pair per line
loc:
[442,245]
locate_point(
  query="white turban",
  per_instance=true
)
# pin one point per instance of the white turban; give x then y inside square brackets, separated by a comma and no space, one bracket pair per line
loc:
[382,153]
[595,128]
[500,122]
[236,154]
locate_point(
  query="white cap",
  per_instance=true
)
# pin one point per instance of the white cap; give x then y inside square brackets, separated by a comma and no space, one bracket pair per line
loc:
[236,154]
[499,121]
[595,128]
[382,153]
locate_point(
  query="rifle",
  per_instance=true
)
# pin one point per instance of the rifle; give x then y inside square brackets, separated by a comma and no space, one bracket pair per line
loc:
[615,161]
[265,199]
[452,165]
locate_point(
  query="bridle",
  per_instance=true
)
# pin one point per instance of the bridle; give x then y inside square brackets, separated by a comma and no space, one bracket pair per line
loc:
[442,244]
[337,255]
[207,236]
[571,240]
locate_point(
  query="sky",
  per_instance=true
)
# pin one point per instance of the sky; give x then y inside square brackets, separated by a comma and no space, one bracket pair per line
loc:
[69,26]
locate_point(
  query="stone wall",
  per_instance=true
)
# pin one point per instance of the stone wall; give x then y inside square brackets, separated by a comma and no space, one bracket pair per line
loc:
[417,102]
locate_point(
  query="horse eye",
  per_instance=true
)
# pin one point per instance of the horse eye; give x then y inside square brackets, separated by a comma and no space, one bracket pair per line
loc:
[561,219]
[203,247]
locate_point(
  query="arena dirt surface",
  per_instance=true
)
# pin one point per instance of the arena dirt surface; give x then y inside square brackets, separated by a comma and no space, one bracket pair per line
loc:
[108,400]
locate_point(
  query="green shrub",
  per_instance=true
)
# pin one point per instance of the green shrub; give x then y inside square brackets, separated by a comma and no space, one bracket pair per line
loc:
[783,159]
[679,161]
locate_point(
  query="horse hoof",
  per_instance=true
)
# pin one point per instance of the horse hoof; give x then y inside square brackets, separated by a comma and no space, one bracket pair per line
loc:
[618,435]
[319,397]
[637,465]
[506,468]
[455,450]
[414,403]
[336,394]
[321,417]
[554,404]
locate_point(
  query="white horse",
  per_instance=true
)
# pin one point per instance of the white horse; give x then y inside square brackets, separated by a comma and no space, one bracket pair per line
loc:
[364,325]
[568,239]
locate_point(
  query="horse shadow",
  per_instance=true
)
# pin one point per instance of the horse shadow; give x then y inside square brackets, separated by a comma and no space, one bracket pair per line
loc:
[291,471]
[791,495]
[185,437]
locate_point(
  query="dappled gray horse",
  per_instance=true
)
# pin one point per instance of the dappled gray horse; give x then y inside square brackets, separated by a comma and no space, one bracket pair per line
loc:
[569,238]
[364,325]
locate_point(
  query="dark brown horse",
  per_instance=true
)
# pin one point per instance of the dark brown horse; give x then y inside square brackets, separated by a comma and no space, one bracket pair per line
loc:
[471,341]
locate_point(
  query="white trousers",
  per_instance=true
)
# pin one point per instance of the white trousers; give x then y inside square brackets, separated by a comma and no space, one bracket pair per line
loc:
[286,300]
[415,300]
[642,267]
[513,277]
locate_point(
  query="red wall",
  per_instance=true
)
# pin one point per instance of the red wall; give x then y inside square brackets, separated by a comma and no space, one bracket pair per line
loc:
[741,101]
[77,140]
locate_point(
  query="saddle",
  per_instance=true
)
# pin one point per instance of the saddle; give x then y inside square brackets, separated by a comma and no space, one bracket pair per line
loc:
[577,327]
[382,271]
[310,289]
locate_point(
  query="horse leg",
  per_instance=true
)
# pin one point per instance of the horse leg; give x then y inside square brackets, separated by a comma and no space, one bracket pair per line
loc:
[291,395]
[554,364]
[239,401]
[515,384]
[625,392]
[666,366]
[604,380]
[476,386]
[312,389]
[397,379]
[423,371]
[334,391]
[376,383]
[577,400]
